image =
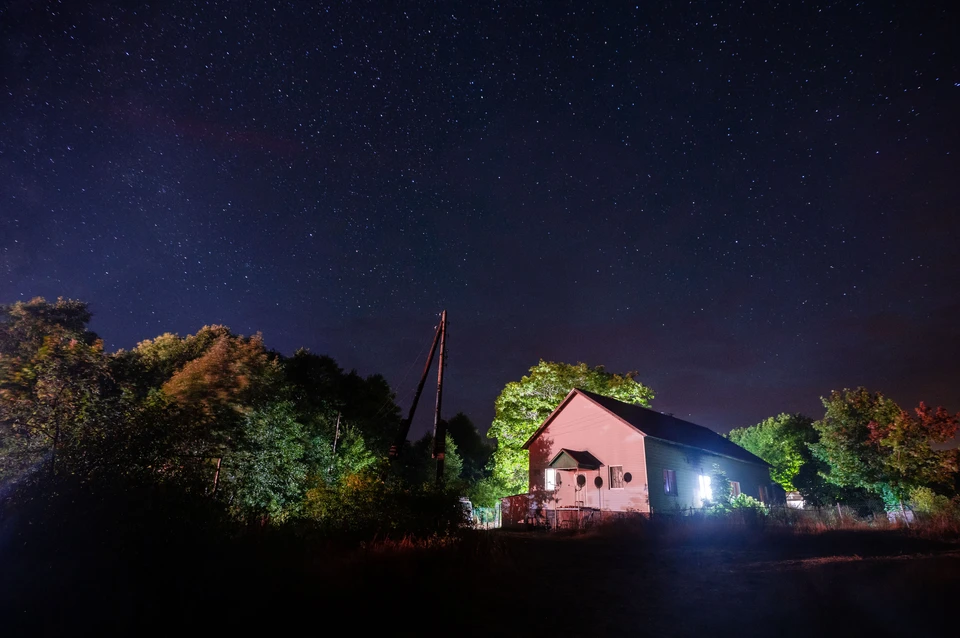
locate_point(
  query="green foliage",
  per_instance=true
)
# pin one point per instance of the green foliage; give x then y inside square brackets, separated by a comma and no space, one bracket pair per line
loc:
[867,441]
[924,500]
[362,505]
[321,390]
[352,456]
[264,476]
[905,445]
[742,506]
[523,405]
[418,467]
[720,485]
[486,492]
[472,448]
[212,418]
[724,504]
[745,501]
[55,386]
[782,441]
[844,443]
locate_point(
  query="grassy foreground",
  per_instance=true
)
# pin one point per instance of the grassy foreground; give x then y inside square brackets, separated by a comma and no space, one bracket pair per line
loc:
[701,578]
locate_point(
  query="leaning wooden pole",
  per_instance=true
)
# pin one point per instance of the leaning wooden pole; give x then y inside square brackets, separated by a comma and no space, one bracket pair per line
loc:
[439,427]
[401,439]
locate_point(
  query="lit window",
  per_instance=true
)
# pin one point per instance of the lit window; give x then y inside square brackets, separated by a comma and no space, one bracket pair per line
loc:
[670,482]
[734,489]
[616,477]
[550,483]
[706,494]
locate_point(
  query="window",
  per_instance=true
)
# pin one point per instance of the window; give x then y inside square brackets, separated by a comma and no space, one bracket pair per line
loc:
[706,493]
[734,489]
[616,477]
[764,498]
[550,479]
[670,482]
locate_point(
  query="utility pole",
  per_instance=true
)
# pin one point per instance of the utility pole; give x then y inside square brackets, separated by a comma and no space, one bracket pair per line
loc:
[439,427]
[404,430]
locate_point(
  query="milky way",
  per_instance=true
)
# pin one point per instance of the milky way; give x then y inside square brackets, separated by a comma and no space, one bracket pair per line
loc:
[748,205]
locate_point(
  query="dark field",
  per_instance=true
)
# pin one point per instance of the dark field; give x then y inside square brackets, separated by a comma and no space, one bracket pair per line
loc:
[712,582]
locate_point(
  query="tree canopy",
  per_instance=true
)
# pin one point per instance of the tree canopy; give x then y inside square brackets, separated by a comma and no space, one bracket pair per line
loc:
[782,442]
[867,441]
[213,415]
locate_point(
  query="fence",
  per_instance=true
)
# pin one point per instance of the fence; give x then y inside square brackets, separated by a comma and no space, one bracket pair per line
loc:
[488,517]
[523,512]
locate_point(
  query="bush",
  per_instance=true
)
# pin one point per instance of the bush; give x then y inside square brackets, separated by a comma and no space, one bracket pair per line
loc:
[923,500]
[364,506]
[746,509]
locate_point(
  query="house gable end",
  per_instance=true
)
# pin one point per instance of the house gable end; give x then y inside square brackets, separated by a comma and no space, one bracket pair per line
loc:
[553,415]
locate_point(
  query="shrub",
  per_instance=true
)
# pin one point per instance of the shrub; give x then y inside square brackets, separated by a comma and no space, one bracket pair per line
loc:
[923,500]
[364,506]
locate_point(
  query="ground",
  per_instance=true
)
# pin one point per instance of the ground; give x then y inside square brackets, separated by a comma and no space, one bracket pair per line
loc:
[502,583]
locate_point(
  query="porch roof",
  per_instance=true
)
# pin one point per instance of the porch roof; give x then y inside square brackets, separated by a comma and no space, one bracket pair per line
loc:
[575,459]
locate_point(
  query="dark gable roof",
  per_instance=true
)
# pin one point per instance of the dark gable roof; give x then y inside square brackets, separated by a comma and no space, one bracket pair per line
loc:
[668,428]
[577,458]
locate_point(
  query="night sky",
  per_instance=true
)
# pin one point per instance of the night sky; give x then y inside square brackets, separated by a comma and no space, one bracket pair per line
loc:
[750,205]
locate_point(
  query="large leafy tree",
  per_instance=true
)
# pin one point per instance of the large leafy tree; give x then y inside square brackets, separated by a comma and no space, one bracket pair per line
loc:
[908,459]
[264,475]
[53,376]
[473,449]
[845,444]
[782,442]
[154,361]
[523,405]
[322,392]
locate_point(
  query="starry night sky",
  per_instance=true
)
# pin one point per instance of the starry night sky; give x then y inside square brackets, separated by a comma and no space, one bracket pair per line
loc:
[750,205]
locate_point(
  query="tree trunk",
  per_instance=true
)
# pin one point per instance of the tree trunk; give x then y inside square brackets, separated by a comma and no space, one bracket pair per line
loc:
[53,457]
[903,513]
[216,477]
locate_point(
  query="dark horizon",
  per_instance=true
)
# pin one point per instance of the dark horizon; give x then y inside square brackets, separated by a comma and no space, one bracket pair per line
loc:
[750,208]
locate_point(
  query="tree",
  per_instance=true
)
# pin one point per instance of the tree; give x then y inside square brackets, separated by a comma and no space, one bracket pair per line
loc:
[53,375]
[907,457]
[417,466]
[845,444]
[321,390]
[264,475]
[154,361]
[474,451]
[782,441]
[235,372]
[523,405]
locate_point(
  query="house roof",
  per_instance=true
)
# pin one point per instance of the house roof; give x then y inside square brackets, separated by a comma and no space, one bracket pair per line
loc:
[569,459]
[660,426]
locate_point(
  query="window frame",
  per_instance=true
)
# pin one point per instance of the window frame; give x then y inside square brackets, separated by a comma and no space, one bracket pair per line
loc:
[735,490]
[672,482]
[613,484]
[548,484]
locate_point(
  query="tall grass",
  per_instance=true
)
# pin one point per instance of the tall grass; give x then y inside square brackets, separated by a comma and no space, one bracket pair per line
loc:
[744,529]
